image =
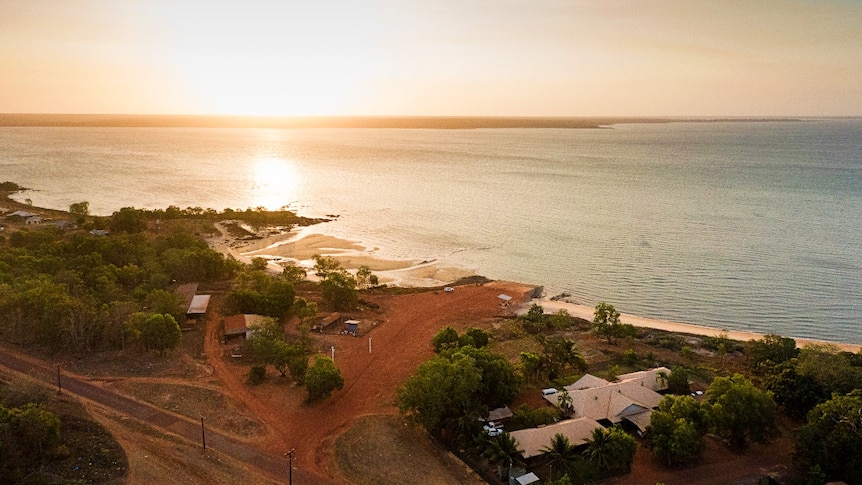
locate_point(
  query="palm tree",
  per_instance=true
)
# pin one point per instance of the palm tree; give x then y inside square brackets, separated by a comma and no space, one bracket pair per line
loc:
[499,450]
[561,453]
[662,379]
[611,449]
[600,450]
[564,401]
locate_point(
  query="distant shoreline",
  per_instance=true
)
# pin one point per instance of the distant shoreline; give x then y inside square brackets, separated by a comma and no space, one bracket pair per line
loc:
[378,122]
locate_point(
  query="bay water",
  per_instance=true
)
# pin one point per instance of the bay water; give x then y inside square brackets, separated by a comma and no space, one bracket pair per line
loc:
[753,226]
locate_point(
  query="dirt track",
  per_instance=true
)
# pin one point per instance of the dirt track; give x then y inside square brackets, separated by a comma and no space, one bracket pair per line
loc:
[399,345]
[36,369]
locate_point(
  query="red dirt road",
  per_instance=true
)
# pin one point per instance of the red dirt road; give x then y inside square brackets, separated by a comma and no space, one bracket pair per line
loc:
[399,344]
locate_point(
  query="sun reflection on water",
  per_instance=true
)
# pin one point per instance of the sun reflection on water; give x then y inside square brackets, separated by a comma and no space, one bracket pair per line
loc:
[275,182]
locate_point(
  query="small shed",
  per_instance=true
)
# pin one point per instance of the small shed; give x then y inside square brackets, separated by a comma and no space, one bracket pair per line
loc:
[352,326]
[328,320]
[240,325]
[504,299]
[527,479]
[198,306]
[499,414]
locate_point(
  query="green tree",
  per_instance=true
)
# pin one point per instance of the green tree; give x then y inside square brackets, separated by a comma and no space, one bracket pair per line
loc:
[740,411]
[441,391]
[531,366]
[770,351]
[474,337]
[80,210]
[677,428]
[446,338]
[28,434]
[128,219]
[606,323]
[259,264]
[830,368]
[677,381]
[526,417]
[795,392]
[534,320]
[561,319]
[157,331]
[282,355]
[338,289]
[832,438]
[297,362]
[164,301]
[559,354]
[499,384]
[323,265]
[363,276]
[322,378]
[304,309]
[564,402]
[673,440]
[293,272]
[262,293]
[256,374]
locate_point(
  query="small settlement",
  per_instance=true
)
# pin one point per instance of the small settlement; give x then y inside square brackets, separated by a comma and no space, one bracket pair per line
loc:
[593,402]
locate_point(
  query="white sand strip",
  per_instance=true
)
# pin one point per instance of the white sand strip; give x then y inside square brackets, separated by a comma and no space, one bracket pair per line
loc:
[586,312]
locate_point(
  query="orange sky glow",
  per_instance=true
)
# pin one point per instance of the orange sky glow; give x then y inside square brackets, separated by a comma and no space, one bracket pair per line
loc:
[432,57]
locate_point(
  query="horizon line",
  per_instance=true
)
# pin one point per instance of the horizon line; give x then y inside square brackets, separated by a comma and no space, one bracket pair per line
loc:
[126,120]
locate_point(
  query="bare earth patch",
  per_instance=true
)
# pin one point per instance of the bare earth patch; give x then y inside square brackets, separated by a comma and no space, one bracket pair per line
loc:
[384,449]
[193,402]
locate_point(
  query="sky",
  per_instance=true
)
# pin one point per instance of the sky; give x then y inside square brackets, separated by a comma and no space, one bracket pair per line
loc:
[433,57]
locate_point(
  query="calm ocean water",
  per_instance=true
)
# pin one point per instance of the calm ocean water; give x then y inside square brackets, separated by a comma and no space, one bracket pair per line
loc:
[746,226]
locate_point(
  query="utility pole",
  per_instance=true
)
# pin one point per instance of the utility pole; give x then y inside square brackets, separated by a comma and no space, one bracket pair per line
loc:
[369,344]
[203,434]
[290,466]
[59,385]
[333,353]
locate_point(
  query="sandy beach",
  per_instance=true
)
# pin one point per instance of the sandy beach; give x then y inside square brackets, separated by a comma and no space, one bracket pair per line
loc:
[301,246]
[587,312]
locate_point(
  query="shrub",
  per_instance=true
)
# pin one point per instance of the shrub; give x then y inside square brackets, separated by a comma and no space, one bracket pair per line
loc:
[256,375]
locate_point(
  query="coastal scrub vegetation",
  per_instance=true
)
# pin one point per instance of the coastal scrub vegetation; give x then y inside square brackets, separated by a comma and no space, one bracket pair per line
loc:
[130,217]
[450,392]
[83,291]
[77,292]
[46,438]
[831,439]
